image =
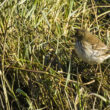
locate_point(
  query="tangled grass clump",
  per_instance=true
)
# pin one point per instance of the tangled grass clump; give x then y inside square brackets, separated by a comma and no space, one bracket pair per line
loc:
[38,66]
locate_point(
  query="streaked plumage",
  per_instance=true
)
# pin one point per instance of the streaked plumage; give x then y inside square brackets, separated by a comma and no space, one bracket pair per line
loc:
[89,48]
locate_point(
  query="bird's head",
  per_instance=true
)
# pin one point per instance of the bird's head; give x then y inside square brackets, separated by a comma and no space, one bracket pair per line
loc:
[80,34]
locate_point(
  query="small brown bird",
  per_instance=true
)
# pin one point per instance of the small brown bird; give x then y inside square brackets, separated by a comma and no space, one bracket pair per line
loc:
[89,48]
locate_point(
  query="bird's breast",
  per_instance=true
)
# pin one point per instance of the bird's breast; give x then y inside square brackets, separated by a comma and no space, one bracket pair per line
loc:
[86,53]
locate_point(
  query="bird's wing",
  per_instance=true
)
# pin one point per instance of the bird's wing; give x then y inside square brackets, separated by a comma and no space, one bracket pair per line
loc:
[96,43]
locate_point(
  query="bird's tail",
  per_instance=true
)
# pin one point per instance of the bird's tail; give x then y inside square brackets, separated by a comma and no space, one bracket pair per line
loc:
[107,55]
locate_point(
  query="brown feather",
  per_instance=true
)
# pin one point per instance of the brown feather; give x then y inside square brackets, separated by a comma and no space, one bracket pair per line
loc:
[92,39]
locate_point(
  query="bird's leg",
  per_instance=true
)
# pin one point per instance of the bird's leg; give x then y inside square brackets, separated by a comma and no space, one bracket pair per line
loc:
[99,67]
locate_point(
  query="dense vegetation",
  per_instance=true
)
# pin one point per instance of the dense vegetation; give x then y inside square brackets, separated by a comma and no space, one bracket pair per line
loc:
[38,66]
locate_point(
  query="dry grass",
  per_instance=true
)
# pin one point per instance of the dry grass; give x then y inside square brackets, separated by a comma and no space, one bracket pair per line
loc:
[38,66]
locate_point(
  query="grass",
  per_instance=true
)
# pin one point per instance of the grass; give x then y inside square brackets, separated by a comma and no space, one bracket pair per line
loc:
[39,69]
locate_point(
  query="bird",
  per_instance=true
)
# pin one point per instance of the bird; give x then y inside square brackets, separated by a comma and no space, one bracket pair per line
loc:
[90,48]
